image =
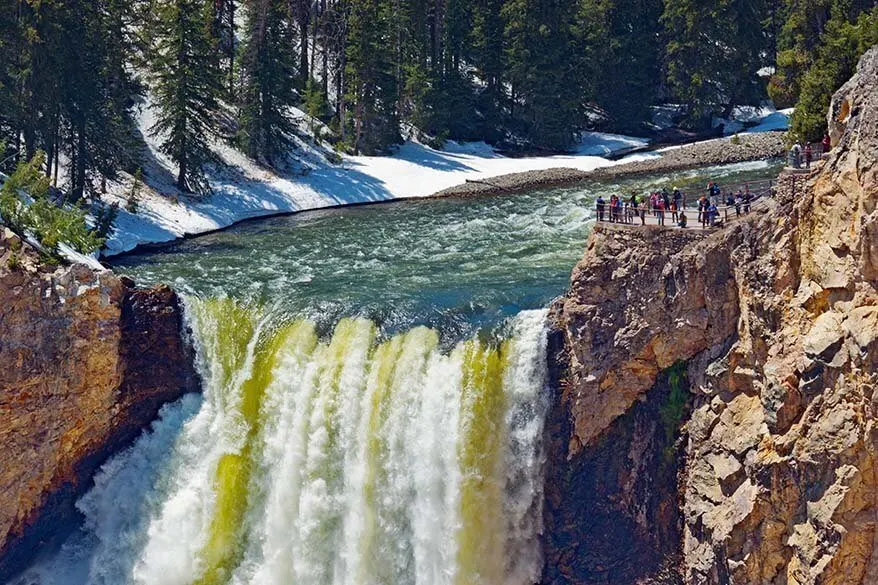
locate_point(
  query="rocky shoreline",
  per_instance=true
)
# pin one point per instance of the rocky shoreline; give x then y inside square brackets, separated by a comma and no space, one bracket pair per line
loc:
[721,151]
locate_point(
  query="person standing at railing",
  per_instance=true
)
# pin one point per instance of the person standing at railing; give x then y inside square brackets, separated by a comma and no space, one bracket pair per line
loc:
[795,158]
[601,207]
[678,199]
[747,199]
[642,210]
[827,144]
[739,200]
[808,155]
[660,210]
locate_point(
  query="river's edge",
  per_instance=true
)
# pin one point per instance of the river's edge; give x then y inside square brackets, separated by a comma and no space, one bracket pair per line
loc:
[721,151]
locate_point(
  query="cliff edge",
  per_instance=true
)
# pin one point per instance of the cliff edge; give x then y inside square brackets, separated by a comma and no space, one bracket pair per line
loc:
[87,362]
[715,422]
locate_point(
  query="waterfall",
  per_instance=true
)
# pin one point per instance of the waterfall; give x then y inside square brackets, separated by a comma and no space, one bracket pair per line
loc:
[353,460]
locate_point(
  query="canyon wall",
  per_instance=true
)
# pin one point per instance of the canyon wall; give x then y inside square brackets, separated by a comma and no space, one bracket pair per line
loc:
[715,421]
[86,362]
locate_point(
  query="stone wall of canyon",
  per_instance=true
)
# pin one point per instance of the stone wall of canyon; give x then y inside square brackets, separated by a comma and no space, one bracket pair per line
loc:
[771,325]
[86,362]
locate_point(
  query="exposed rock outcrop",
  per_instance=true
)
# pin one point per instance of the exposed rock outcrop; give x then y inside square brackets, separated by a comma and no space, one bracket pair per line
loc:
[87,361]
[776,319]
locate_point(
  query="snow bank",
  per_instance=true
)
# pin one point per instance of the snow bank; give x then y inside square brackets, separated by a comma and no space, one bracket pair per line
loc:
[244,190]
[747,119]
[603,144]
[779,120]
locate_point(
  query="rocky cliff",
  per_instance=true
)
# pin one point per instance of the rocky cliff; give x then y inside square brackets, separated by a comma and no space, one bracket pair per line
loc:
[86,361]
[716,412]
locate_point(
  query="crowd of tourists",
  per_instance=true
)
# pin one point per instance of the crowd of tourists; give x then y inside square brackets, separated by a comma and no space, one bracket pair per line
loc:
[670,207]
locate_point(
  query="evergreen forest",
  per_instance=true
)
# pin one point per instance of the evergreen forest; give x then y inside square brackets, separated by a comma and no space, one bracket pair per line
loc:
[519,74]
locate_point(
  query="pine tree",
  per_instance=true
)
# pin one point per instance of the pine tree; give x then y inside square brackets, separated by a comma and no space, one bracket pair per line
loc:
[10,43]
[546,100]
[224,31]
[714,50]
[98,91]
[454,96]
[800,38]
[841,45]
[620,45]
[268,82]
[187,83]
[487,55]
[371,77]
[66,86]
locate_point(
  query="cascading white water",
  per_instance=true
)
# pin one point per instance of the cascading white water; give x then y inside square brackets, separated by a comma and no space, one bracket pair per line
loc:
[355,461]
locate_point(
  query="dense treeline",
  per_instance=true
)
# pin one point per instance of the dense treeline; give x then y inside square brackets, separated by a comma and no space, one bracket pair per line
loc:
[517,73]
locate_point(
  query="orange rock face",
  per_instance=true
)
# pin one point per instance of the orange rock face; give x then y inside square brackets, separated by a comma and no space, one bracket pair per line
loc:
[85,364]
[776,319]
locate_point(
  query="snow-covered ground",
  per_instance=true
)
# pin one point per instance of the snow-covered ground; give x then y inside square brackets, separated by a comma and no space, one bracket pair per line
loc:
[245,190]
[746,119]
[603,144]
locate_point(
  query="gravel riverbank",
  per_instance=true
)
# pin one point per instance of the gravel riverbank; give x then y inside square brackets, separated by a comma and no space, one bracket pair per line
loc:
[712,152]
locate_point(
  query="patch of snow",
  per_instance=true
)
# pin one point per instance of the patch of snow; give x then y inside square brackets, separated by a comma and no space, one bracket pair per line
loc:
[752,114]
[729,126]
[245,190]
[779,120]
[603,144]
[754,119]
[665,116]
[474,148]
[74,257]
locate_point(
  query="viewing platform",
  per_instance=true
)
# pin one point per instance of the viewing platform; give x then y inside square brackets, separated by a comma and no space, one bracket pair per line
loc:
[759,193]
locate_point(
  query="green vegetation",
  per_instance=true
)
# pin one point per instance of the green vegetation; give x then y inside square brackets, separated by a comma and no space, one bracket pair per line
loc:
[673,411]
[133,199]
[268,83]
[834,61]
[48,222]
[187,83]
[516,73]
[714,49]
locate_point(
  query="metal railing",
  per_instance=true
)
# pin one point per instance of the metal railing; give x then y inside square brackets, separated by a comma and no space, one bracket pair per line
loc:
[626,214]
